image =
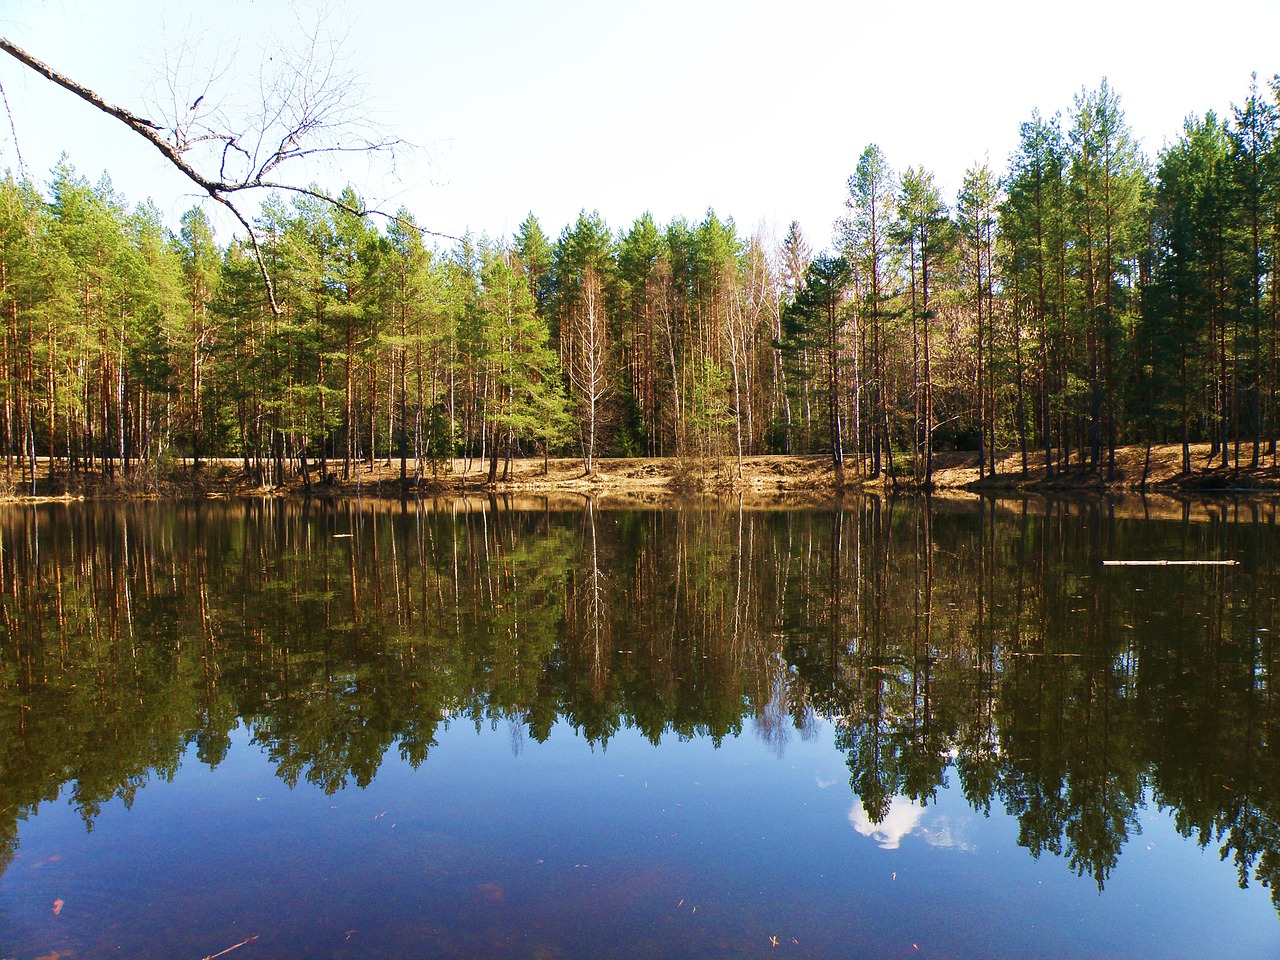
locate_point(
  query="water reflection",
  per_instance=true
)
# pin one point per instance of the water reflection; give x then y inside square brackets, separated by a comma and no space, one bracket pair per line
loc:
[978,642]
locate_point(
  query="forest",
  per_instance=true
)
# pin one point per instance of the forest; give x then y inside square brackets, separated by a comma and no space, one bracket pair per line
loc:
[1083,298]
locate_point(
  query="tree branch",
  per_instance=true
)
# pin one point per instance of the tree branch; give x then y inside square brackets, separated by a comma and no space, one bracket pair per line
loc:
[311,109]
[143,127]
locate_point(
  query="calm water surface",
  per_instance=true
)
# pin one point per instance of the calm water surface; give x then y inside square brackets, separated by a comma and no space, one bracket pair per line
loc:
[474,730]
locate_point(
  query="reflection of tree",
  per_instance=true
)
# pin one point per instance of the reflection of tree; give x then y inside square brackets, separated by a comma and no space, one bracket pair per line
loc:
[980,638]
[334,635]
[997,641]
[588,634]
[785,707]
[978,759]
[1212,719]
[1063,708]
[872,681]
[895,729]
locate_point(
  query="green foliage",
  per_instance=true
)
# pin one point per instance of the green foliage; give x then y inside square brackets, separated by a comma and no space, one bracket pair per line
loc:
[1081,300]
[708,408]
[524,400]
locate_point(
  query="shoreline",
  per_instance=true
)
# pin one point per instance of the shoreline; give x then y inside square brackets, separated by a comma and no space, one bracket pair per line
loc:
[795,480]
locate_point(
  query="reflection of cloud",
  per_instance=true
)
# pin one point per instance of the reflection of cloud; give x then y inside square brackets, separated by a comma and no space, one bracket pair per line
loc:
[901,820]
[904,818]
[943,834]
[823,782]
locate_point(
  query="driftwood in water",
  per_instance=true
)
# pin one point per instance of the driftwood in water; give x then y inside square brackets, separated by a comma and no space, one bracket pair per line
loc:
[1170,563]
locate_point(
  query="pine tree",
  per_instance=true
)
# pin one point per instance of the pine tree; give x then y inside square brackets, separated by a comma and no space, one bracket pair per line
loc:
[924,234]
[195,339]
[794,262]
[1107,228]
[1181,306]
[31,305]
[976,221]
[865,239]
[1253,139]
[818,317]
[584,277]
[410,303]
[646,377]
[1032,224]
[517,358]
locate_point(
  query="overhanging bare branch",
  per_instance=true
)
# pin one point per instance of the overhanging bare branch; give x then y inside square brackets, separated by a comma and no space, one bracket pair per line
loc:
[304,114]
[139,125]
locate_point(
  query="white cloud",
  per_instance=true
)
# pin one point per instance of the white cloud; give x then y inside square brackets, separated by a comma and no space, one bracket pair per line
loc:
[901,821]
[905,818]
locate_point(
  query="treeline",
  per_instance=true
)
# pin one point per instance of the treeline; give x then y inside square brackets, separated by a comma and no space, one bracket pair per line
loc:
[1082,299]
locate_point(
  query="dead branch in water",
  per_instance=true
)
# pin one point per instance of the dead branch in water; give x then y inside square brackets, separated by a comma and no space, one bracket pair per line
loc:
[1170,563]
[213,956]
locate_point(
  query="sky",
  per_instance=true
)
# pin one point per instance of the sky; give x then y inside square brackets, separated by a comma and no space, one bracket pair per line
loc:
[757,110]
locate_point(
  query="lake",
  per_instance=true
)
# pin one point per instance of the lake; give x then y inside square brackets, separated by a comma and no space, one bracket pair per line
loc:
[480,728]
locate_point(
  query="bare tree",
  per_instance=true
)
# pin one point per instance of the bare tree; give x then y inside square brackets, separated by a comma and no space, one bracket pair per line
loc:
[307,107]
[588,361]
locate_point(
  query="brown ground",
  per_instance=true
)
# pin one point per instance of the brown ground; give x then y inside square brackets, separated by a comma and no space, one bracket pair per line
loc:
[794,480]
[1132,471]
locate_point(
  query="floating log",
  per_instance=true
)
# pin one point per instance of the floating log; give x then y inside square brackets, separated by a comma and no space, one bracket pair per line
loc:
[1170,563]
[220,953]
